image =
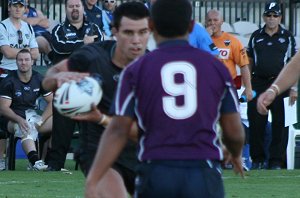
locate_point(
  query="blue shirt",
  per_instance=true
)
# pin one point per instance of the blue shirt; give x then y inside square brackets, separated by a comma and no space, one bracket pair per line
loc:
[177,93]
[199,38]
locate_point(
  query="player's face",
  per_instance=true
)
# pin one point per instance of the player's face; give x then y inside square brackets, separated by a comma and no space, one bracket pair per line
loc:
[214,21]
[74,11]
[24,62]
[132,37]
[16,10]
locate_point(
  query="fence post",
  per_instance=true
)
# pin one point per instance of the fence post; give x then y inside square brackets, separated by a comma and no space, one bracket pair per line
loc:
[4,11]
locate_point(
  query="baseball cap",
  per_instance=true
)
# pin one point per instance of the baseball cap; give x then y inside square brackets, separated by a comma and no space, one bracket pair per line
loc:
[272,6]
[17,1]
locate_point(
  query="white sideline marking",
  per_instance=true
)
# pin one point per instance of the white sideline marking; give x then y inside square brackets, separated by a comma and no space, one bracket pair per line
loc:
[264,177]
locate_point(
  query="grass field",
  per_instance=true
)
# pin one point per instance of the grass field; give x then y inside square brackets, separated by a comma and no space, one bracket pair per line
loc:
[22,183]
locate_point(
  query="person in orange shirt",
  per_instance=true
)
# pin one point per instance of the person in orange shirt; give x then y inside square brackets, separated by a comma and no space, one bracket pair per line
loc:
[232,52]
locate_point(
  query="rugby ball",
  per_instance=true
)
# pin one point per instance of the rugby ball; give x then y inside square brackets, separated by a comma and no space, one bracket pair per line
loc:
[73,98]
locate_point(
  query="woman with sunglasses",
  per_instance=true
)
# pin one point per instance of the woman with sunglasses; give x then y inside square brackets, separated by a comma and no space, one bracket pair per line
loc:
[269,50]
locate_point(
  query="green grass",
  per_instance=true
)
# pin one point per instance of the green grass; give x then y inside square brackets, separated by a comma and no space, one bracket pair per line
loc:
[30,184]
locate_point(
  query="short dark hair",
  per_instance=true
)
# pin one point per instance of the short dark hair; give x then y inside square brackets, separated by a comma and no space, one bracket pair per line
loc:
[133,10]
[23,51]
[171,18]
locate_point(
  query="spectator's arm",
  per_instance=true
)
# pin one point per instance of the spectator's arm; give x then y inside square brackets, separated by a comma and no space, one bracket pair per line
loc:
[40,20]
[9,52]
[34,53]
[7,112]
[246,78]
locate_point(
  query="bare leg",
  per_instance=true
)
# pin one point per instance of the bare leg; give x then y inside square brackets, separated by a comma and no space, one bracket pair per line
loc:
[112,185]
[44,46]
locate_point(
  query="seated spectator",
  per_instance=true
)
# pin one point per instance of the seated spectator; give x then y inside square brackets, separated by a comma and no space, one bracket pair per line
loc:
[93,13]
[109,7]
[40,23]
[15,34]
[18,93]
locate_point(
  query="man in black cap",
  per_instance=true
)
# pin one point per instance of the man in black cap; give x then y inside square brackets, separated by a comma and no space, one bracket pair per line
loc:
[269,50]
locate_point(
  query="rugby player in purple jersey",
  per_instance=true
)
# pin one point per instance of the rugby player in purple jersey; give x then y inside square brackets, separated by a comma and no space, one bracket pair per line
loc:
[177,94]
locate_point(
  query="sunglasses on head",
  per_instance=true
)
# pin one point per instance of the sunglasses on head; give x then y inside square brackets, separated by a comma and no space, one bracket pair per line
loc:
[272,15]
[20,37]
[111,1]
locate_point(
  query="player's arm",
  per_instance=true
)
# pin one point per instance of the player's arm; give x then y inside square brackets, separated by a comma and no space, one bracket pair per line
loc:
[111,144]
[233,138]
[48,111]
[58,74]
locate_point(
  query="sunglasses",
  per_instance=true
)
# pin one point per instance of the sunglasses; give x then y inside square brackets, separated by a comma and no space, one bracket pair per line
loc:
[106,1]
[20,37]
[272,15]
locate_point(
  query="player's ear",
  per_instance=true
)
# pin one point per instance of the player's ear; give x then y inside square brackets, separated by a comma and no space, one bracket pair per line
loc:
[191,26]
[151,24]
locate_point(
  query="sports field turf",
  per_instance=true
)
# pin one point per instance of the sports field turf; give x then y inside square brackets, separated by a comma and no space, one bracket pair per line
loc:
[22,183]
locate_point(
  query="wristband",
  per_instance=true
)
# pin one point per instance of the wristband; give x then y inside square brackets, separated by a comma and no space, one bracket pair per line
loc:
[103,118]
[272,90]
[276,88]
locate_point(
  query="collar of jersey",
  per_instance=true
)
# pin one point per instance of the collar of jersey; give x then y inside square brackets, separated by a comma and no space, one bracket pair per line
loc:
[173,42]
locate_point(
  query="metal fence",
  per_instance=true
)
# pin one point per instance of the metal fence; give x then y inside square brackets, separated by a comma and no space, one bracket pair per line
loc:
[233,10]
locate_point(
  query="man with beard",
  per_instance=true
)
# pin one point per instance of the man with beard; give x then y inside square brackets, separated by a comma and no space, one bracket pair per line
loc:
[68,36]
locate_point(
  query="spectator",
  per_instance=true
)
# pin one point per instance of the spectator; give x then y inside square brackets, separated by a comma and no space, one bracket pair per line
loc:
[109,7]
[39,23]
[68,37]
[179,151]
[93,13]
[200,39]
[270,48]
[18,93]
[232,52]
[108,58]
[15,35]
[285,80]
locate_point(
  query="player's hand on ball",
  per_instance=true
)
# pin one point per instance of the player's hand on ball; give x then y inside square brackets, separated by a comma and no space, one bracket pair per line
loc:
[91,116]
[62,77]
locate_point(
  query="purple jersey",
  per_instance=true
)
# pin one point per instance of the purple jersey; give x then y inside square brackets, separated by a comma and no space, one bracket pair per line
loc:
[177,93]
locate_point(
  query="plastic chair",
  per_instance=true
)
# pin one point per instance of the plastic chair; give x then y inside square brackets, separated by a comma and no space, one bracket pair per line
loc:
[244,27]
[290,150]
[226,27]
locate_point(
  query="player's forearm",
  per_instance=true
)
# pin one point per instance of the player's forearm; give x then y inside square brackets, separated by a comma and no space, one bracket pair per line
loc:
[233,133]
[289,75]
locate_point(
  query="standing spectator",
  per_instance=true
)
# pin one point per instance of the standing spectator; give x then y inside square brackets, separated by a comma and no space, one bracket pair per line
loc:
[176,93]
[232,52]
[93,13]
[15,35]
[39,23]
[18,93]
[270,48]
[109,7]
[68,36]
[285,80]
[200,39]
[107,59]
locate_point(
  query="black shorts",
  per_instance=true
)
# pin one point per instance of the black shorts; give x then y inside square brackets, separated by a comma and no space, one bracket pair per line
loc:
[179,179]
[3,123]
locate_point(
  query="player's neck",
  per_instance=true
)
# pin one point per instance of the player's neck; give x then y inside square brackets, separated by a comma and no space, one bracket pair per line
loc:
[159,39]
[271,31]
[119,59]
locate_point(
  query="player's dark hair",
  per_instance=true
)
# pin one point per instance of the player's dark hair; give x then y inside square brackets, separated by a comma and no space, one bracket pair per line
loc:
[171,17]
[23,51]
[132,10]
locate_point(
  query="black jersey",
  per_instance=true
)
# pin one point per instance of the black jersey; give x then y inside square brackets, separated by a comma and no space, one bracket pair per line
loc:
[23,95]
[96,58]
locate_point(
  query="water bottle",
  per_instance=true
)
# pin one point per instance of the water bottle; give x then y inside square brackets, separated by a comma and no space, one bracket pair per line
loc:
[243,98]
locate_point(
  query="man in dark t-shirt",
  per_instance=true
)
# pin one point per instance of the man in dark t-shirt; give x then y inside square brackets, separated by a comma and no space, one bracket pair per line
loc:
[18,93]
[177,93]
[107,59]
